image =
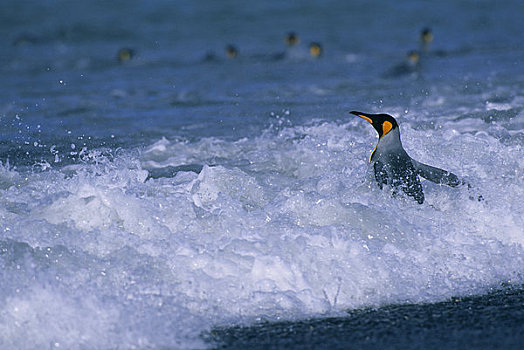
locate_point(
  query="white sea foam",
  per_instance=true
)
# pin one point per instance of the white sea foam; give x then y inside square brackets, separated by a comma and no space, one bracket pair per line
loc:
[286,226]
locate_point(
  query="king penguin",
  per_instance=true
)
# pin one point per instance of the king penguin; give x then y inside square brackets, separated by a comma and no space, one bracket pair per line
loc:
[392,165]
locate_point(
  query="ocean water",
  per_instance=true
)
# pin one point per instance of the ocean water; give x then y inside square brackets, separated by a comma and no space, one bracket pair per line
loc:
[184,200]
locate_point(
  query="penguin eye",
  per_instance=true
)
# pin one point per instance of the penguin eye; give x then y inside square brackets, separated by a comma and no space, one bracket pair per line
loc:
[386,127]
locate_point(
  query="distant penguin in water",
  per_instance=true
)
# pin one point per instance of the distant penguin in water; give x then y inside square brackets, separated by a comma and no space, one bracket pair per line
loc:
[292,39]
[411,66]
[125,54]
[231,51]
[293,48]
[316,50]
[391,164]
[425,38]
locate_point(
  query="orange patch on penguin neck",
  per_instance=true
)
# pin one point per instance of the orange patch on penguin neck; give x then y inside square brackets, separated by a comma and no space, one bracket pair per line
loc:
[386,127]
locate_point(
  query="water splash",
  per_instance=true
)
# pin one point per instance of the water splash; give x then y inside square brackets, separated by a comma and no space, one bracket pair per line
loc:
[282,226]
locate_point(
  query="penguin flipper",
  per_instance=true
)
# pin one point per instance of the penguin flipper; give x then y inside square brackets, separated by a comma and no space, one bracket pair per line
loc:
[436,175]
[412,187]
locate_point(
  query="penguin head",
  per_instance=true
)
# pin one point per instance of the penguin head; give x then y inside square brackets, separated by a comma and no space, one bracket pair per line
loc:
[383,123]
[125,54]
[231,51]
[426,36]
[413,57]
[292,39]
[315,50]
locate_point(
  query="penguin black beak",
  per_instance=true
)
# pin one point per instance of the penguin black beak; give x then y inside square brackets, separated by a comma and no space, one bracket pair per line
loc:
[363,116]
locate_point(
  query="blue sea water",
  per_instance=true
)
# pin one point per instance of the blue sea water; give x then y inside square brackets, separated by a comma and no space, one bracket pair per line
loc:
[170,200]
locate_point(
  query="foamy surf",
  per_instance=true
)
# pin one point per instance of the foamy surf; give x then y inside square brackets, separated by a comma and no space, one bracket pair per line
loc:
[286,225]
